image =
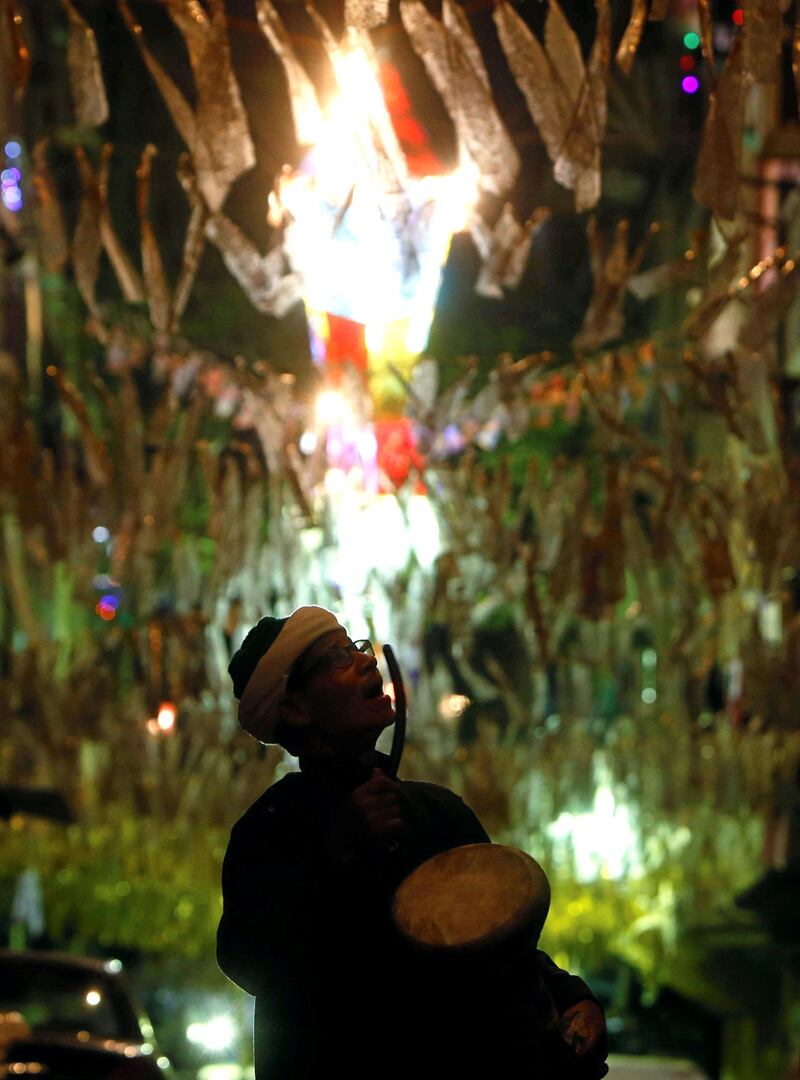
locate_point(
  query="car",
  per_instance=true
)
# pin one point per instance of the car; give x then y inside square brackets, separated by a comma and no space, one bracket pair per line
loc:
[635,1067]
[64,1017]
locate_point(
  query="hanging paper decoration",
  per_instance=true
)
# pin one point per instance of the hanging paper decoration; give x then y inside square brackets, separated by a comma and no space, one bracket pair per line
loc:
[762,33]
[706,34]
[86,241]
[155,279]
[53,243]
[269,283]
[85,73]
[504,249]
[365,14]
[480,131]
[632,36]
[193,244]
[720,156]
[455,21]
[15,57]
[565,97]
[128,278]
[302,95]
[216,132]
[612,270]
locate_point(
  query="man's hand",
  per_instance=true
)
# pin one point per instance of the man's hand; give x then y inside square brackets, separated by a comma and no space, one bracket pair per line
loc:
[370,820]
[378,805]
[583,1027]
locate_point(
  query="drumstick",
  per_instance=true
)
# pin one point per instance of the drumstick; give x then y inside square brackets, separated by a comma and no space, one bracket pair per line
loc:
[399,737]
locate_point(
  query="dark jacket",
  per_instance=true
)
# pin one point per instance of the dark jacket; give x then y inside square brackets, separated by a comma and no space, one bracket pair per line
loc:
[310,936]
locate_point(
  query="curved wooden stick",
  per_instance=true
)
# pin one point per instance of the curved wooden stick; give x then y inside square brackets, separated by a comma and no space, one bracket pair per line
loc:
[399,737]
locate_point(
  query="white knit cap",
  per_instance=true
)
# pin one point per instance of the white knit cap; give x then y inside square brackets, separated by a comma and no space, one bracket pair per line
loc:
[258,707]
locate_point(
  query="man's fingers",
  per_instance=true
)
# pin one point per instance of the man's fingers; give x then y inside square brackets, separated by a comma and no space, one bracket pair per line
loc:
[582,1026]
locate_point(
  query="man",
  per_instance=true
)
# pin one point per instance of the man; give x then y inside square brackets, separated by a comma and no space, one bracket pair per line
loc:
[311,868]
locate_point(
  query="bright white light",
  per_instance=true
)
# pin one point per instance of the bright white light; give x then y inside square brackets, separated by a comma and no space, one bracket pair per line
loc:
[423,530]
[215,1034]
[308,442]
[93,997]
[100,534]
[162,1062]
[146,1048]
[335,481]
[603,841]
[166,716]
[114,966]
[649,695]
[333,408]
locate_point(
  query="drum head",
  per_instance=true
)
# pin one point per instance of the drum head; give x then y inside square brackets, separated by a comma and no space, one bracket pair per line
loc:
[472,897]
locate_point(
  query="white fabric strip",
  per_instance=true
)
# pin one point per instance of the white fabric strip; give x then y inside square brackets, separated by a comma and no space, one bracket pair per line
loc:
[258,707]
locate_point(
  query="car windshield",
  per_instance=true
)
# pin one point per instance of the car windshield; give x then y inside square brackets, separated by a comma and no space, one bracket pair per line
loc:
[59,998]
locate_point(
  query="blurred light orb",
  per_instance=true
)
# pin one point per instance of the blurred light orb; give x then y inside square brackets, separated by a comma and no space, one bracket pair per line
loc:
[113,966]
[691,40]
[649,695]
[215,1034]
[12,149]
[738,17]
[690,84]
[100,534]
[107,612]
[332,408]
[308,442]
[451,706]
[12,198]
[93,998]
[166,716]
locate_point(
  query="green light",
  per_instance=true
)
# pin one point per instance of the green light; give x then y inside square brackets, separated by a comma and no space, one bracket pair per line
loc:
[691,40]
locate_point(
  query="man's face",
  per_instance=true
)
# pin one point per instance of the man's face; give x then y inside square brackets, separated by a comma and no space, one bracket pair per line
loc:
[347,705]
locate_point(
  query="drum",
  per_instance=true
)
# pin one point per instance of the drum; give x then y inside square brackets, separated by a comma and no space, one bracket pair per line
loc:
[482,899]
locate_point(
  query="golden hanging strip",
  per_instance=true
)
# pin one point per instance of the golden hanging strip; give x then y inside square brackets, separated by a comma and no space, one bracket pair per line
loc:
[85,73]
[632,36]
[706,34]
[155,278]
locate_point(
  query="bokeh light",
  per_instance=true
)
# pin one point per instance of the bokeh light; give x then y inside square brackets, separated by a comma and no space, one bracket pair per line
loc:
[738,17]
[12,149]
[690,84]
[691,40]
[166,716]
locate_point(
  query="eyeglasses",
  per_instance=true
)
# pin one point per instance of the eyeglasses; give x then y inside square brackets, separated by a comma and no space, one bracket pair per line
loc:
[339,657]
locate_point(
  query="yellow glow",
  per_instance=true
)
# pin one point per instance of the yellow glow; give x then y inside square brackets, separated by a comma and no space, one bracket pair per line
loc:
[333,408]
[342,214]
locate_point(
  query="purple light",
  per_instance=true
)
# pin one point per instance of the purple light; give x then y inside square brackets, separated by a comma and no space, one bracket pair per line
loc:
[12,198]
[109,600]
[690,84]
[10,176]
[13,149]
